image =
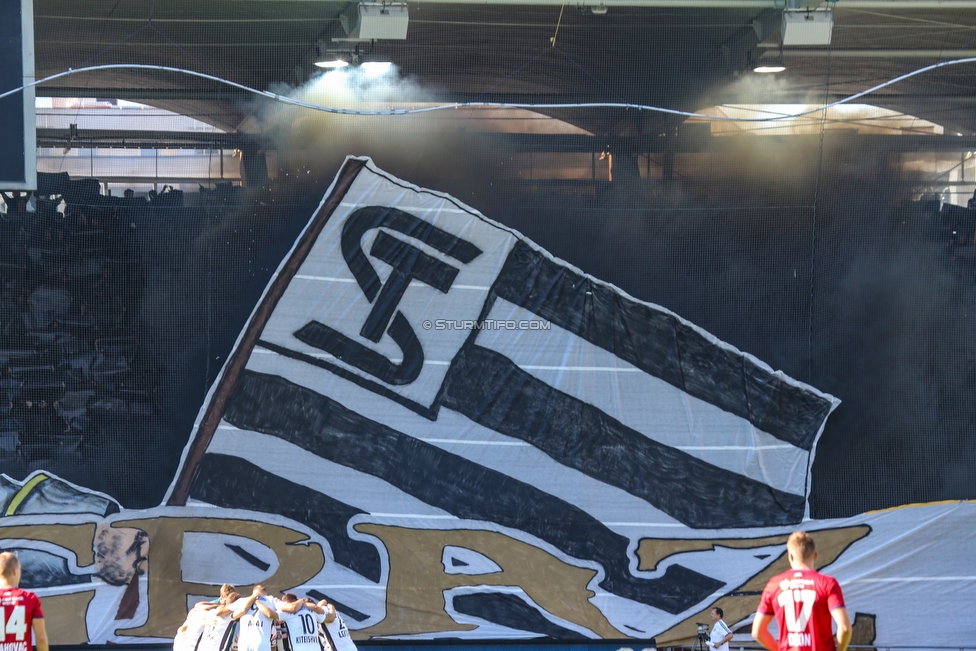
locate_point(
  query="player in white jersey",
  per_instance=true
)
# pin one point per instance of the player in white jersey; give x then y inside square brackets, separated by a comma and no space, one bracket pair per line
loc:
[196,621]
[218,633]
[302,618]
[335,629]
[255,616]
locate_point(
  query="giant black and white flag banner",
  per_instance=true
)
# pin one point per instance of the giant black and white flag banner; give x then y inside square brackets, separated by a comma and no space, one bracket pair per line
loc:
[415,365]
[451,434]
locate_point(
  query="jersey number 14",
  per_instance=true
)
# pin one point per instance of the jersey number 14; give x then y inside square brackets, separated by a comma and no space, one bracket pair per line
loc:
[15,623]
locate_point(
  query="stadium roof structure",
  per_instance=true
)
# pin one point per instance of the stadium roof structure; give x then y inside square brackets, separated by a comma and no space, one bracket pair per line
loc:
[684,55]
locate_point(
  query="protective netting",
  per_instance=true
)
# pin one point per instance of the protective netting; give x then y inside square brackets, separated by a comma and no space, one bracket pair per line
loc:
[837,258]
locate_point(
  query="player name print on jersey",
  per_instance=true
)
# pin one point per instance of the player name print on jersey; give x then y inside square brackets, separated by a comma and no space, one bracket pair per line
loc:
[13,646]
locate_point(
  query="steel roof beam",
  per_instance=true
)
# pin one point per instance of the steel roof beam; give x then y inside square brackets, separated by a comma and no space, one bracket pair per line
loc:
[716,4]
[555,143]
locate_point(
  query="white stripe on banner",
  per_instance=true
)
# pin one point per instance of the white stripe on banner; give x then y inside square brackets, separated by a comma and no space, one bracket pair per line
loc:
[458,435]
[414,283]
[647,404]
[408,200]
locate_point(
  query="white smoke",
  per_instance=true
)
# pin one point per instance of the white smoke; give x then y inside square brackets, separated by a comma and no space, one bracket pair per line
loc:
[311,142]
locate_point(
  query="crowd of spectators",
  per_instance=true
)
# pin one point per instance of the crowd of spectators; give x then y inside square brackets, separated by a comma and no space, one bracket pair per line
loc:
[72,379]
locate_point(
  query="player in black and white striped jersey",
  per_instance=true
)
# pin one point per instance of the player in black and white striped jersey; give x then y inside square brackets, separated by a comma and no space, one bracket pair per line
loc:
[336,632]
[218,634]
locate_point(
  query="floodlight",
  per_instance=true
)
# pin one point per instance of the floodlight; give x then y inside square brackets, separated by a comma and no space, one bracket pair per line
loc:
[332,63]
[375,68]
[767,65]
[369,21]
[803,27]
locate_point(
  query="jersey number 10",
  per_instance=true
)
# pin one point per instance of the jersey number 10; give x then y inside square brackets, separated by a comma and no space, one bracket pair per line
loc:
[308,624]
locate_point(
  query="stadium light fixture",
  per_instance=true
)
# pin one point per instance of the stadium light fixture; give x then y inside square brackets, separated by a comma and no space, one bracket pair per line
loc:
[769,67]
[807,27]
[376,68]
[369,21]
[332,64]
[768,64]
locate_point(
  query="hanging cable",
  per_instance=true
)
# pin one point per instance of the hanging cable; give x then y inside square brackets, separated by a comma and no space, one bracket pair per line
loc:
[552,41]
[813,228]
[456,105]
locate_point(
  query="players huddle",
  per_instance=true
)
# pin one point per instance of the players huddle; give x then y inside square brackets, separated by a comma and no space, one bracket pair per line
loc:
[805,604]
[210,625]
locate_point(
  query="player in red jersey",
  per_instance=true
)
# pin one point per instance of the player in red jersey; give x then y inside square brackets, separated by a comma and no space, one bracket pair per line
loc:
[20,609]
[804,603]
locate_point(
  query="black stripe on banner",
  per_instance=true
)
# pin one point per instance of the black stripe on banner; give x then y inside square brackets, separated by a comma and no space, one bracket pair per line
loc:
[234,483]
[490,389]
[248,556]
[661,345]
[272,405]
[345,609]
[512,612]
[345,374]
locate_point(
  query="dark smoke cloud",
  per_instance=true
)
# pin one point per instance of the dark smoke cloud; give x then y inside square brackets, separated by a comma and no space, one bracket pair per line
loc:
[205,272]
[894,337]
